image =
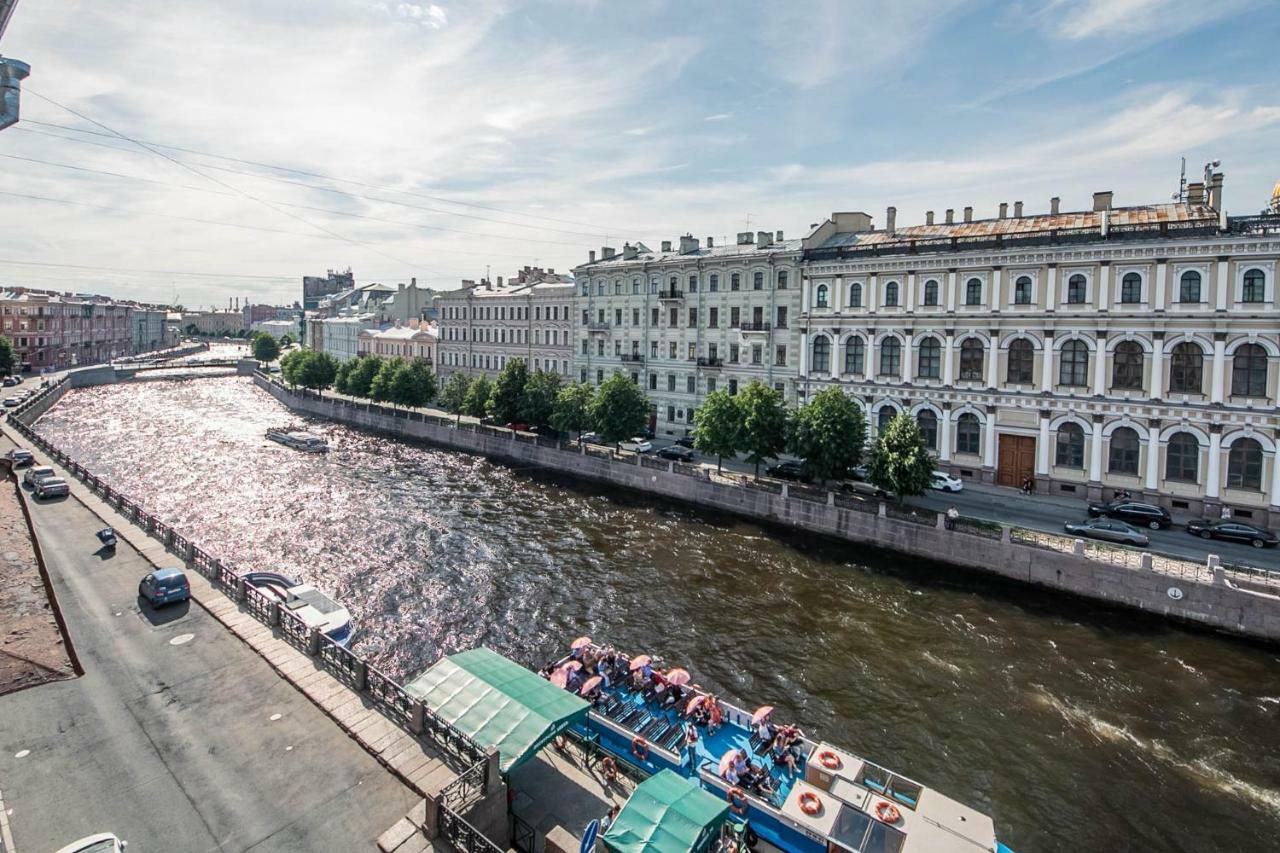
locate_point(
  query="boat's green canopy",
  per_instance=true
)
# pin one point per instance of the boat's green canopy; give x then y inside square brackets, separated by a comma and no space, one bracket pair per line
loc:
[666,814]
[498,703]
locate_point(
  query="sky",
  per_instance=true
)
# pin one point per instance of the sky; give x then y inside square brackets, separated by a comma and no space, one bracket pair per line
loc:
[197,151]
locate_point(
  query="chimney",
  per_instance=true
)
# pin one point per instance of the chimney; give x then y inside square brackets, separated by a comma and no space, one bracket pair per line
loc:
[1102,200]
[1004,210]
[1017,210]
[413,282]
[499,281]
[1215,191]
[763,239]
[928,217]
[745,238]
[400,286]
[688,244]
[1054,204]
[606,253]
[951,216]
[1195,193]
[778,237]
[630,252]
[968,213]
[591,256]
[891,220]
[711,243]
[666,245]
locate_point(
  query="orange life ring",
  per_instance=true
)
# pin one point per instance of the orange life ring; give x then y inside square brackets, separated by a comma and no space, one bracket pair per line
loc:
[888,812]
[737,800]
[829,759]
[609,768]
[640,748]
[809,803]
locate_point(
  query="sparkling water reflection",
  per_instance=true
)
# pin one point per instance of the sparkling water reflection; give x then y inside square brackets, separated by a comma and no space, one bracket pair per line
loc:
[1077,728]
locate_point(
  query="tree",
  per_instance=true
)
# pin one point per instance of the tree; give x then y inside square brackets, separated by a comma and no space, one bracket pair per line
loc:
[360,379]
[191,329]
[504,405]
[619,409]
[381,389]
[290,366]
[454,394]
[413,384]
[900,461]
[286,341]
[477,401]
[539,398]
[343,376]
[316,370]
[264,347]
[718,426]
[764,423]
[6,356]
[572,409]
[828,434]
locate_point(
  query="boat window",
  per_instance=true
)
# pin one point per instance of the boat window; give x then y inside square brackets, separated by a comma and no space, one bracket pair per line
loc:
[883,839]
[850,829]
[318,600]
[904,792]
[875,778]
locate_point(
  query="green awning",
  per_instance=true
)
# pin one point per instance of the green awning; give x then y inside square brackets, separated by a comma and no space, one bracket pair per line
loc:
[498,703]
[666,814]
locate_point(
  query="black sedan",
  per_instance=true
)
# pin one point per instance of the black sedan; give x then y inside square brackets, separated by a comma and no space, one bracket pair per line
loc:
[793,471]
[1148,515]
[677,453]
[1236,531]
[1111,531]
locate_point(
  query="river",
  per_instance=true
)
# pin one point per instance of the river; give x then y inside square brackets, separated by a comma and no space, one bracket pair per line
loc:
[1077,727]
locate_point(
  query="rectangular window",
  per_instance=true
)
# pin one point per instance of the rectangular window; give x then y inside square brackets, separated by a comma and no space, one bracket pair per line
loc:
[782,279]
[757,354]
[713,350]
[693,350]
[711,384]
[599,377]
[714,284]
[693,284]
[713,318]
[691,384]
[671,413]
[617,347]
[733,353]
[693,318]
[653,318]
[757,281]
[675,318]
[780,356]
[671,350]
[653,349]
[782,317]
[635,316]
[653,382]
[617,316]
[735,317]
[733,387]
[671,382]
[584,348]
[599,347]
[735,282]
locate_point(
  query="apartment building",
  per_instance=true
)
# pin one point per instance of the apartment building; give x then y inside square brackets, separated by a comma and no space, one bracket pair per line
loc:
[340,336]
[417,339]
[149,332]
[1111,348]
[689,319]
[57,330]
[484,325]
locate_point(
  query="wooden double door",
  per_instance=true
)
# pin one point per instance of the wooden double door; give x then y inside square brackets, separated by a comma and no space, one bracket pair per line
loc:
[1017,460]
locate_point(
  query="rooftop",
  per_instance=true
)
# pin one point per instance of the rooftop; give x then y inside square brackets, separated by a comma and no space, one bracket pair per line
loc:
[671,252]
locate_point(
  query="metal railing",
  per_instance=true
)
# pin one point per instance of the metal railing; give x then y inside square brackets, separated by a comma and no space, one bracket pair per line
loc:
[462,836]
[462,791]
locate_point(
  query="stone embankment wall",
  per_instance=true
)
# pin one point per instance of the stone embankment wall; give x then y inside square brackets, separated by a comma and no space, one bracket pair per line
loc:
[1213,596]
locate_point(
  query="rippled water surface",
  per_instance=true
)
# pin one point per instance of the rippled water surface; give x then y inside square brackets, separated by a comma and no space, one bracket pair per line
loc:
[1078,728]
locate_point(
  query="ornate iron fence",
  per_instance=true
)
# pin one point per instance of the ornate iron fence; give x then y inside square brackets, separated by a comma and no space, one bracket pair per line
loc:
[463,791]
[294,629]
[342,663]
[394,701]
[259,604]
[462,836]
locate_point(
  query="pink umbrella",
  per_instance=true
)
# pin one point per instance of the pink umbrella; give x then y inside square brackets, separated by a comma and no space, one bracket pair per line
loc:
[572,665]
[581,642]
[761,712]
[592,683]
[560,677]
[640,661]
[678,676]
[726,761]
[693,703]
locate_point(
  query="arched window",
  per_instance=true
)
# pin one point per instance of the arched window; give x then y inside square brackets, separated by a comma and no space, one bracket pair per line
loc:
[1073,364]
[1076,290]
[928,423]
[971,352]
[930,359]
[1131,288]
[891,294]
[1123,457]
[1126,366]
[1255,287]
[1189,287]
[735,282]
[1022,359]
[1022,291]
[887,413]
[1182,458]
[822,354]
[968,434]
[1070,447]
[820,296]
[1186,368]
[855,295]
[890,357]
[854,355]
[973,292]
[1244,464]
[1249,371]
[931,292]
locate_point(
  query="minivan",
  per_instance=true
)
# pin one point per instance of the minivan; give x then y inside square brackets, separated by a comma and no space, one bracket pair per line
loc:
[164,586]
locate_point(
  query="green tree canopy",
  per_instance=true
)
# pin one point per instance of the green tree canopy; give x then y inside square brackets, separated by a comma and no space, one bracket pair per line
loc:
[539,398]
[454,394]
[286,340]
[382,388]
[900,461]
[413,384]
[828,434]
[572,409]
[764,423]
[718,426]
[504,404]
[342,377]
[316,369]
[619,410]
[360,379]
[264,347]
[290,366]
[477,402]
[6,356]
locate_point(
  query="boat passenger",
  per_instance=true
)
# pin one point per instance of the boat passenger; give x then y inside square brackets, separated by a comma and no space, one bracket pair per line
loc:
[674,697]
[604,671]
[574,681]
[715,715]
[783,756]
[730,775]
[766,731]
[740,763]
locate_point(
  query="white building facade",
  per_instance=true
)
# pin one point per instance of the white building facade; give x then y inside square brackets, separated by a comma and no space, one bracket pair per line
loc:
[340,336]
[414,340]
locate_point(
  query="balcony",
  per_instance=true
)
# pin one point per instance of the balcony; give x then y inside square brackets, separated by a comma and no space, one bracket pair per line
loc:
[632,356]
[597,326]
[670,295]
[704,361]
[747,328]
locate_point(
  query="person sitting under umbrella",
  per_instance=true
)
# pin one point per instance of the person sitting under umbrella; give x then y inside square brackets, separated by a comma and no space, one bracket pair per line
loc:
[783,755]
[766,730]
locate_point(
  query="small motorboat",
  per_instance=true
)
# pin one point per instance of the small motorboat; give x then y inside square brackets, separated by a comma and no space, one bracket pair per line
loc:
[304,441]
[315,608]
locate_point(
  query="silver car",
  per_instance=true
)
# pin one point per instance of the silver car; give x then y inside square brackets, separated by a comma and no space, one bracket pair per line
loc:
[1108,529]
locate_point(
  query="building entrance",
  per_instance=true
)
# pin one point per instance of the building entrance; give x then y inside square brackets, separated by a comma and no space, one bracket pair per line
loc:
[1017,460]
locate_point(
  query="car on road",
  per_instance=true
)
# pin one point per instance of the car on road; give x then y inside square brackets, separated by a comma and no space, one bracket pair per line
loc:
[944,482]
[637,443]
[103,842]
[861,487]
[10,402]
[164,586]
[686,441]
[17,380]
[792,471]
[52,487]
[9,381]
[1109,530]
[677,453]
[859,472]
[1135,512]
[590,438]
[1235,531]
[19,458]
[37,473]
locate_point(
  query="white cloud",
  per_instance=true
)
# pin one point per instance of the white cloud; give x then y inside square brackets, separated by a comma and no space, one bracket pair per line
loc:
[719,117]
[1119,19]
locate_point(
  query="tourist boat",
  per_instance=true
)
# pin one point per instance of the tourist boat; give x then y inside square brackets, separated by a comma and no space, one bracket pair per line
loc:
[304,441]
[315,608]
[835,801]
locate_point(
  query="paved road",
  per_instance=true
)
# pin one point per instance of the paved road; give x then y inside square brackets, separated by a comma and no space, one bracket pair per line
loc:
[174,747]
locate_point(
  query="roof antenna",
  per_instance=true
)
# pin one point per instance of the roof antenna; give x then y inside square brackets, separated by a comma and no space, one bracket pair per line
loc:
[1181,195]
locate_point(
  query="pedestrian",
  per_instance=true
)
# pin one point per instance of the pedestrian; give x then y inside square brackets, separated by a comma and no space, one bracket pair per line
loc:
[1028,485]
[1226,512]
[607,820]
[953,515]
[691,744]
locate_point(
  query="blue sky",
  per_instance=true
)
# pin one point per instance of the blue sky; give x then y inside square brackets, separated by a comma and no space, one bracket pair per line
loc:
[439,138]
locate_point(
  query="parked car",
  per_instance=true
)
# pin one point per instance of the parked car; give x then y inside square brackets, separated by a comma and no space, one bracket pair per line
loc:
[638,444]
[862,487]
[52,487]
[10,402]
[1236,531]
[686,441]
[1108,529]
[103,842]
[859,472]
[677,453]
[19,458]
[944,482]
[647,432]
[17,380]
[793,471]
[165,586]
[590,438]
[9,381]
[37,473]
[1148,515]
